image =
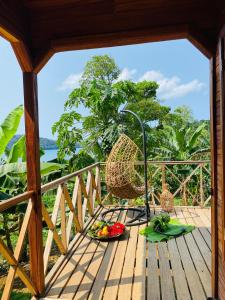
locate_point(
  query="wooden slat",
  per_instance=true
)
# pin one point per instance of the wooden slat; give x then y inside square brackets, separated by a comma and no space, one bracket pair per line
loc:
[198,261]
[58,280]
[202,245]
[180,281]
[76,277]
[72,215]
[103,276]
[17,252]
[153,287]
[201,227]
[50,236]
[111,286]
[51,226]
[165,273]
[193,279]
[6,204]
[63,219]
[125,288]
[118,270]
[104,256]
[8,255]
[54,184]
[138,291]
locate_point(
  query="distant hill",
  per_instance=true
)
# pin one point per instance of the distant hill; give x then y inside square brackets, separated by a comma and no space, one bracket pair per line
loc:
[45,143]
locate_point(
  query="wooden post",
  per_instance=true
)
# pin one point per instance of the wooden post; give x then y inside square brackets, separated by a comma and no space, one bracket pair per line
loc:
[201,187]
[163,176]
[34,179]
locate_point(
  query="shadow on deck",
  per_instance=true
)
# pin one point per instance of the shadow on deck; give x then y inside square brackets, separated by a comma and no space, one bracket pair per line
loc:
[130,268]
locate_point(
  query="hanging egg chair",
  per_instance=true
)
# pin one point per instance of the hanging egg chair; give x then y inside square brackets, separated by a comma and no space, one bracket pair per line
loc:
[122,177]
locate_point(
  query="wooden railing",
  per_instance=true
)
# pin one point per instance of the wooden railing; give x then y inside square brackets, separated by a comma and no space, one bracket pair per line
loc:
[73,206]
[189,186]
[76,197]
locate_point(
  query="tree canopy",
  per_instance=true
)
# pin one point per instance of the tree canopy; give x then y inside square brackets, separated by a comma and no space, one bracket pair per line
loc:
[103,94]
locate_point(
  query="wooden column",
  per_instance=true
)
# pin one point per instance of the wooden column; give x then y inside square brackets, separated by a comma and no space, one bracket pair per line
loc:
[33,178]
[214,171]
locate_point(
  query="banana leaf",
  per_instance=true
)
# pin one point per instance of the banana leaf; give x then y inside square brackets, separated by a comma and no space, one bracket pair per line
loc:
[20,168]
[175,228]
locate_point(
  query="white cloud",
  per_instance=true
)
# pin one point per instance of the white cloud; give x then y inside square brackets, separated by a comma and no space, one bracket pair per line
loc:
[172,87]
[71,82]
[126,74]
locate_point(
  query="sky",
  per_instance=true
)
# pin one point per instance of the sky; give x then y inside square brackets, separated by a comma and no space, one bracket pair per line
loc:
[180,69]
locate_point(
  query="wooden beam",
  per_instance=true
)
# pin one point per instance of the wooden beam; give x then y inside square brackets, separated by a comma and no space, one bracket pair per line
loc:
[34,179]
[23,56]
[109,40]
[12,28]
[202,41]
[214,221]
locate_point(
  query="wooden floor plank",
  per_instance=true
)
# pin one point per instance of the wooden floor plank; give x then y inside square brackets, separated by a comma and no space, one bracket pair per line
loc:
[198,260]
[202,228]
[112,285]
[165,273]
[104,249]
[180,280]
[59,279]
[153,287]
[79,272]
[125,286]
[205,220]
[132,268]
[138,291]
[199,240]
[192,276]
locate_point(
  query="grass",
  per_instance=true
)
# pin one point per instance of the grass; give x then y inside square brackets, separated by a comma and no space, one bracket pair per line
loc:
[19,296]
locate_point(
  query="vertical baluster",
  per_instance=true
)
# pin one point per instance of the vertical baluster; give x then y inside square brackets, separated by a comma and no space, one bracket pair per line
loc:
[80,205]
[63,217]
[163,176]
[98,183]
[201,187]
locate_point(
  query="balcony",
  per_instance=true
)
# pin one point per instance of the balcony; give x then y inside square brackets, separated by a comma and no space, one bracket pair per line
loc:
[127,268]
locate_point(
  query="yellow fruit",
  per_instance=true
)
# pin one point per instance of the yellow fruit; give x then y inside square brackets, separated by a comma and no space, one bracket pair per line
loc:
[105,231]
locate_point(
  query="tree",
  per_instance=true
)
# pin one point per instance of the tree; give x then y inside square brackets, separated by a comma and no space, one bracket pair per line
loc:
[103,95]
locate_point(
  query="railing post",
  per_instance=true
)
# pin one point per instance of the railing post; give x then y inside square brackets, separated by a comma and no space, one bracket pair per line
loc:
[163,176]
[98,181]
[201,186]
[63,217]
[34,179]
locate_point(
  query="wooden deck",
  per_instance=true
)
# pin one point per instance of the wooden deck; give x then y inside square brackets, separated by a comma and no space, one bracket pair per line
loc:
[130,268]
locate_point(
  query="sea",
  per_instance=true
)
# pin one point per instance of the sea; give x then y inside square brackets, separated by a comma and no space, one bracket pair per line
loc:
[51,154]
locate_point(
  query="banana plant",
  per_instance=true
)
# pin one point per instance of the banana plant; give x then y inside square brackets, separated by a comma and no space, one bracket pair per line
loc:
[13,177]
[182,143]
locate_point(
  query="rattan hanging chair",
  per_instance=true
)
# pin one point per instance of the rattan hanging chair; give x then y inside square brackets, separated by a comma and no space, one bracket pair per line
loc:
[122,178]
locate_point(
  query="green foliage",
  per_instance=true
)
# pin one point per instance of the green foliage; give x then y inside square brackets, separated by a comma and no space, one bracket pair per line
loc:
[103,95]
[80,160]
[180,143]
[102,68]
[17,151]
[9,127]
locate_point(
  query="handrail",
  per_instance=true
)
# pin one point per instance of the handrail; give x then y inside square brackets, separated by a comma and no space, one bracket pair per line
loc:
[55,183]
[169,162]
[6,204]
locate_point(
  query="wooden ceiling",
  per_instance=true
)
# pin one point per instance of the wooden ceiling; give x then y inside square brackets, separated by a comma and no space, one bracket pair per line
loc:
[49,26]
